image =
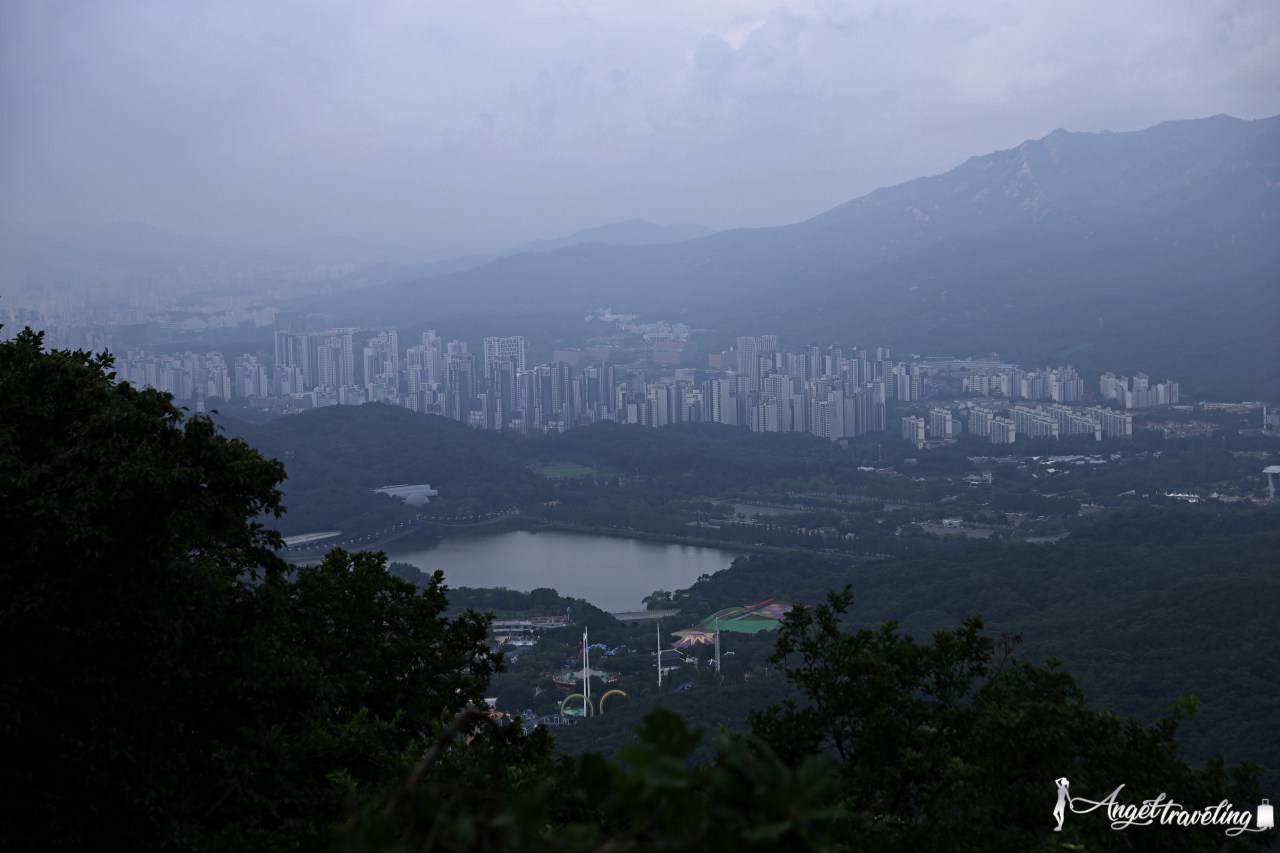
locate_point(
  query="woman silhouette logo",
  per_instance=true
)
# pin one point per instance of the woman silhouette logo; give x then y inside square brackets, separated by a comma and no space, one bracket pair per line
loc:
[1060,809]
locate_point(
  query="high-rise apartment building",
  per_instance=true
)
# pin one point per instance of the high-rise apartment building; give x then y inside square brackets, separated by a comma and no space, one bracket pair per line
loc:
[751,350]
[498,350]
[913,430]
[941,424]
[1003,431]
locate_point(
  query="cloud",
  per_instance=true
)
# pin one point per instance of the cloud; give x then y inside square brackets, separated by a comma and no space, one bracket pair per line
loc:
[488,122]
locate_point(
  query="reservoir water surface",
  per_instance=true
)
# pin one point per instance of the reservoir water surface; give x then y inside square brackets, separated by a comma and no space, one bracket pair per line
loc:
[613,574]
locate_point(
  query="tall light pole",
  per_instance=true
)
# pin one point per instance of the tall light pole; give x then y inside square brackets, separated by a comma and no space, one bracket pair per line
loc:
[658,625]
[717,647]
[586,669]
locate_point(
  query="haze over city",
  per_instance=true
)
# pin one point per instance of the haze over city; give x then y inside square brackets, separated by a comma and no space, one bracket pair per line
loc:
[571,426]
[481,126]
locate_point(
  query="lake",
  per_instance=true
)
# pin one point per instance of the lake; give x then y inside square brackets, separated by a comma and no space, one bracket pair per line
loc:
[613,574]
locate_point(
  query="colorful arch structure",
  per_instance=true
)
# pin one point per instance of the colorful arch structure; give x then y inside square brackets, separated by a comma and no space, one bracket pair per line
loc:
[586,711]
[608,694]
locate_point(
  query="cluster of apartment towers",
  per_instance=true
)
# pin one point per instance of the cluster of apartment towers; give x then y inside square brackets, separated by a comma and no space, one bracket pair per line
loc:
[765,389]
[1057,419]
[822,390]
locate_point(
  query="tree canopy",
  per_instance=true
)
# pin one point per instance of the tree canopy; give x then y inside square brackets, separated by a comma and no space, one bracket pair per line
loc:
[168,680]
[955,744]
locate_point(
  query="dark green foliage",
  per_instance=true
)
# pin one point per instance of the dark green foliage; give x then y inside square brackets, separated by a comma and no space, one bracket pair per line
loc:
[955,745]
[1188,464]
[713,701]
[507,603]
[168,683]
[379,669]
[890,744]
[1137,602]
[338,455]
[1034,504]
[1142,605]
[746,799]
[127,542]
[792,577]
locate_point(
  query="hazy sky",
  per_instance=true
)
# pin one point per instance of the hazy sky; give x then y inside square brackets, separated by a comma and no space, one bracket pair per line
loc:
[430,123]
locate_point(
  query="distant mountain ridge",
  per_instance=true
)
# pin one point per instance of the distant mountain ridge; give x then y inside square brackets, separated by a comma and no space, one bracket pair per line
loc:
[631,232]
[1153,250]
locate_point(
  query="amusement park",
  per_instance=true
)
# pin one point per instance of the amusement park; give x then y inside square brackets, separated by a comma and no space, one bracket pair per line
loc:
[558,676]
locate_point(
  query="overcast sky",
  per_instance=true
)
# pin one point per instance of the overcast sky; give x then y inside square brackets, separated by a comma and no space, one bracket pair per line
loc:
[474,123]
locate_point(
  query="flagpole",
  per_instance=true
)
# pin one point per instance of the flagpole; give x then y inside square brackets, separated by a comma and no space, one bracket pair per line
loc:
[659,627]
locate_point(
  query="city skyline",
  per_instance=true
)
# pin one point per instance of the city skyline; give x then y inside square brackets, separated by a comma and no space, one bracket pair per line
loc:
[756,385]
